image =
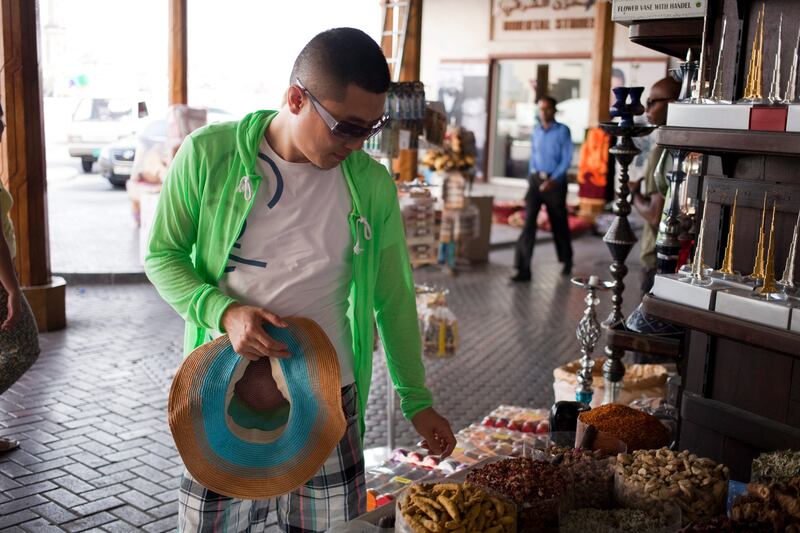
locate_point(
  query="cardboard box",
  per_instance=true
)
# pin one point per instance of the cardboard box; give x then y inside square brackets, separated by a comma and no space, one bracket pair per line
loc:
[738,304]
[670,287]
[768,118]
[721,116]
[793,118]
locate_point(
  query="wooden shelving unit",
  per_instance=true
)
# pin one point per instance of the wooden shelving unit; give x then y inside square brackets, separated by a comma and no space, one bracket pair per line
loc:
[720,142]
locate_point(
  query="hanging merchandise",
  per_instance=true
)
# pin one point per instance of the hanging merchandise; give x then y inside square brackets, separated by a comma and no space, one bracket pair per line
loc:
[405,105]
[439,328]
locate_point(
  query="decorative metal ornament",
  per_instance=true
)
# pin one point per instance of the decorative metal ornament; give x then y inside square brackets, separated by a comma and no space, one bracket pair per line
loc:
[753,89]
[770,287]
[689,70]
[758,267]
[588,333]
[791,96]
[717,96]
[698,275]
[775,87]
[726,270]
[787,281]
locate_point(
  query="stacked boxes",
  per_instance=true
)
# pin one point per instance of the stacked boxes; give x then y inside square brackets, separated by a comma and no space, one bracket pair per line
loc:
[418,207]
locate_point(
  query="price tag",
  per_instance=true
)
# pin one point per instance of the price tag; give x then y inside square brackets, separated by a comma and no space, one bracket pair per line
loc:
[403,480]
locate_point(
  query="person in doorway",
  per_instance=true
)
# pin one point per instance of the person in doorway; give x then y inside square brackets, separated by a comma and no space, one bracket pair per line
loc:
[19,337]
[551,157]
[648,194]
[282,214]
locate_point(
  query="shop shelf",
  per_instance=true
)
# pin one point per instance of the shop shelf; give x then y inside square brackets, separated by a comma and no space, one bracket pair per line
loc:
[776,340]
[716,141]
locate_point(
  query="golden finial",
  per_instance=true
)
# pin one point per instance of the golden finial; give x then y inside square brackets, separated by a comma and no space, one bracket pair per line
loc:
[697,262]
[758,267]
[769,286]
[727,262]
[753,88]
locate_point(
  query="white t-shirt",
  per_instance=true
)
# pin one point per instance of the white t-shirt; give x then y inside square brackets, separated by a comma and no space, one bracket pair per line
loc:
[295,254]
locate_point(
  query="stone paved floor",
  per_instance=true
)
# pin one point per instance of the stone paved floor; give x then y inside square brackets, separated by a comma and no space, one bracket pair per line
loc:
[96,450]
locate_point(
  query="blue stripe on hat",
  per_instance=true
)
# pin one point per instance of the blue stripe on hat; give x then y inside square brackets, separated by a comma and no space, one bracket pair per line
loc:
[302,416]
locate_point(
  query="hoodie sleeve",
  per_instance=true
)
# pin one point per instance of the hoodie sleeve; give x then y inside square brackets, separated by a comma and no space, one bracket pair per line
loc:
[168,262]
[396,312]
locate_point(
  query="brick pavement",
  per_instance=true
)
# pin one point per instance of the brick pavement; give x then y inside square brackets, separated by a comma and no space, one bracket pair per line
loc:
[96,450]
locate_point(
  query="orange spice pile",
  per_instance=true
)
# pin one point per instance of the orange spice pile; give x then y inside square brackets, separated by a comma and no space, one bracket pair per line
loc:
[638,430]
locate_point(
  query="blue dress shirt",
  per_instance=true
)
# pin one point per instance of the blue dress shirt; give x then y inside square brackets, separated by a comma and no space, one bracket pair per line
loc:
[551,150]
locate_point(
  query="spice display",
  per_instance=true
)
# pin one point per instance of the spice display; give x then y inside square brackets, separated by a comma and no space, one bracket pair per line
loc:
[638,430]
[775,467]
[536,487]
[433,508]
[617,521]
[591,477]
[774,504]
[651,479]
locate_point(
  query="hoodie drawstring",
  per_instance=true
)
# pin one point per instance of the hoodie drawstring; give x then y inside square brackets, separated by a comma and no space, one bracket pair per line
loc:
[246,188]
[367,234]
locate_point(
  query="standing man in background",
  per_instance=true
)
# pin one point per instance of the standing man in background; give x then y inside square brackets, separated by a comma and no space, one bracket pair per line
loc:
[551,157]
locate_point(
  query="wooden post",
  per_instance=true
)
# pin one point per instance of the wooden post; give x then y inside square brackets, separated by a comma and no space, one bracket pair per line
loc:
[22,162]
[178,79]
[602,57]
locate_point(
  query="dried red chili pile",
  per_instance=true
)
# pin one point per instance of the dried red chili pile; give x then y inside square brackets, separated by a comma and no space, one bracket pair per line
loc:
[522,480]
[637,429]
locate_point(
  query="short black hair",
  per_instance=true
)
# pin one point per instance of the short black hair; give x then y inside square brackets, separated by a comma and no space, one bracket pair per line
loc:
[338,57]
[553,102]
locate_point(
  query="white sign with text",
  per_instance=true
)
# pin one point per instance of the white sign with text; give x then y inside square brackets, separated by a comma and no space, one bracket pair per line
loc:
[626,10]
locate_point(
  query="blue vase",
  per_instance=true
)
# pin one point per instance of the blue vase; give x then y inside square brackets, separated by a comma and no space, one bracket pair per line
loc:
[636,108]
[619,107]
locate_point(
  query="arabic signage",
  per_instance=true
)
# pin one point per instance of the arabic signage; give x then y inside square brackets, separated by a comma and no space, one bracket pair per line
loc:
[514,20]
[625,10]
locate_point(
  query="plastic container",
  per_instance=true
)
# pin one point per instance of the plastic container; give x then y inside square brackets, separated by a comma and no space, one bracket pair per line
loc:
[590,483]
[695,502]
[487,513]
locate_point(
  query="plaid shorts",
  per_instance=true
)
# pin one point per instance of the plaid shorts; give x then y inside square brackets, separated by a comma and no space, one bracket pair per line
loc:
[336,493]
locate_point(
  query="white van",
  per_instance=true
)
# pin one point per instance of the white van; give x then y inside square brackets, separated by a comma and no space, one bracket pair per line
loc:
[97,122]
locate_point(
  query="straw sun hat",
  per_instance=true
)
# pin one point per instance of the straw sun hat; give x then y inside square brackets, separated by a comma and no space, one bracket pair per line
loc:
[256,453]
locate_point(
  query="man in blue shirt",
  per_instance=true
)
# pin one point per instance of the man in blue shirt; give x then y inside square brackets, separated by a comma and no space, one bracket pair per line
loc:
[551,155]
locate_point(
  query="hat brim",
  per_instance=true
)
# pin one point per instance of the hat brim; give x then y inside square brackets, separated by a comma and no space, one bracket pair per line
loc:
[218,454]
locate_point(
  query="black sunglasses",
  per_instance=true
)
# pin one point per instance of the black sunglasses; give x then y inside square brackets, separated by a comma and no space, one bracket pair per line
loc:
[651,101]
[343,128]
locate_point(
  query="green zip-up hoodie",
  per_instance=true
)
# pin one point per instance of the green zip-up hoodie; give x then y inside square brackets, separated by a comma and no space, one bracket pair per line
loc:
[206,198]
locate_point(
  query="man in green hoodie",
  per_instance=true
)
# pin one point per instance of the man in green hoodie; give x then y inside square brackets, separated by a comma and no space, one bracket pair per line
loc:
[283,214]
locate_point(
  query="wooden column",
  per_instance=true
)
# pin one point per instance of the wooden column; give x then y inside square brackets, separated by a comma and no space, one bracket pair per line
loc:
[22,161]
[602,57]
[178,72]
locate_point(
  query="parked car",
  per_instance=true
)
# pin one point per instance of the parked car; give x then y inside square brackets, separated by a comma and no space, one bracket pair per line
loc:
[116,159]
[97,122]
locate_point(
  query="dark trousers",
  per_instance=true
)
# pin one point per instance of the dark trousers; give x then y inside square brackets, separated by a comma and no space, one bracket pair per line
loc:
[555,202]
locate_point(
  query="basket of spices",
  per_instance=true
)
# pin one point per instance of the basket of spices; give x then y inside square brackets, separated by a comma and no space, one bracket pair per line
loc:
[637,429]
[591,478]
[773,505]
[654,479]
[775,467]
[535,487]
[621,521]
